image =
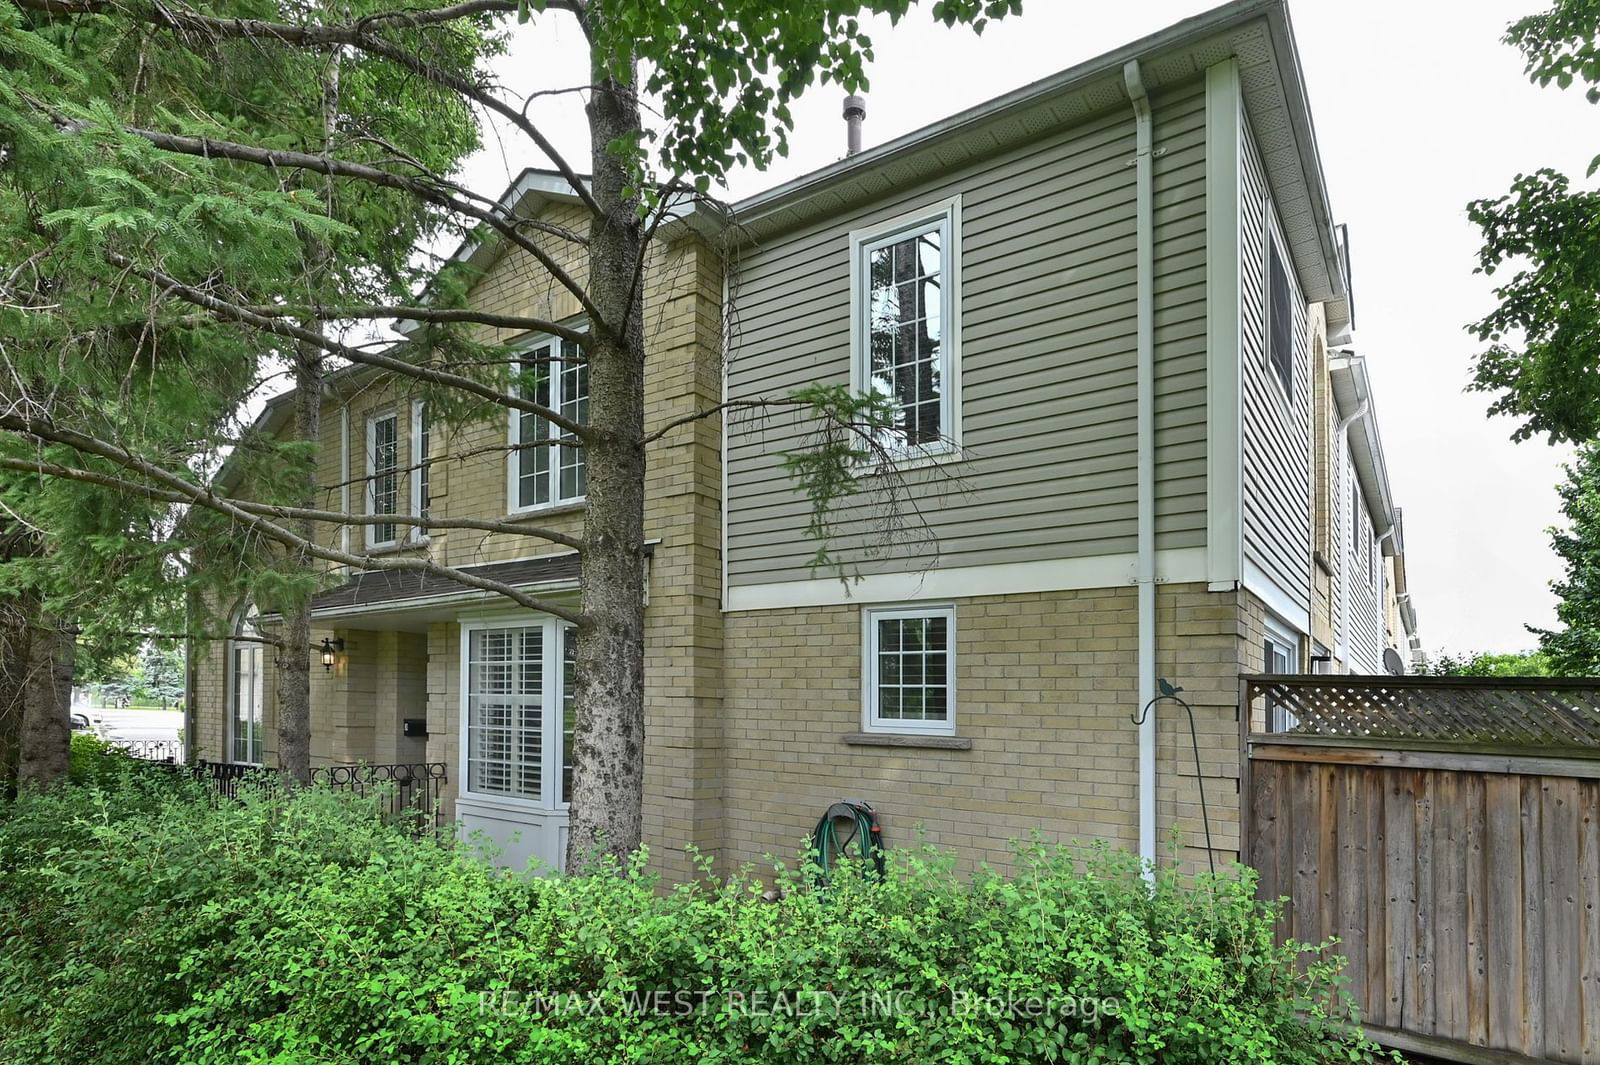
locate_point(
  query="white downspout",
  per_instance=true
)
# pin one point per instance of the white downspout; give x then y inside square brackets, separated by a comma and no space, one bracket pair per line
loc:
[1145,579]
[1341,440]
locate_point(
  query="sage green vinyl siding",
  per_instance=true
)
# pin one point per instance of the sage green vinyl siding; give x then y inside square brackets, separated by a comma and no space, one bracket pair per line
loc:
[1048,361]
[1276,431]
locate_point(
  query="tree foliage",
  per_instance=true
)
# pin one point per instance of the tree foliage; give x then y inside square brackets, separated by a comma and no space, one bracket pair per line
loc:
[166,169]
[1490,664]
[1542,363]
[1574,649]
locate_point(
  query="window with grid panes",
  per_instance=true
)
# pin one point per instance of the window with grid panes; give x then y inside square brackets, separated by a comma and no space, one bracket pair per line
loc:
[547,471]
[910,666]
[906,351]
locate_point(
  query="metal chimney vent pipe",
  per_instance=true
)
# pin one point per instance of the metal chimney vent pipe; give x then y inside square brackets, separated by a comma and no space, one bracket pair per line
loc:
[855,112]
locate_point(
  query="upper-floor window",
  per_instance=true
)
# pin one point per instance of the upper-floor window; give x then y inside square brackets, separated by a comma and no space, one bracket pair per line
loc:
[905,325]
[383,475]
[1280,317]
[421,496]
[544,469]
[910,667]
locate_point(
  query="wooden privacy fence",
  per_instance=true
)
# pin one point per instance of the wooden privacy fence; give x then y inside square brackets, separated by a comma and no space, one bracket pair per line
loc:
[1461,873]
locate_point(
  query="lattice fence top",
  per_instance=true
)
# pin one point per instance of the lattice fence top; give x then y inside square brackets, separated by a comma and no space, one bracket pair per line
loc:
[1534,712]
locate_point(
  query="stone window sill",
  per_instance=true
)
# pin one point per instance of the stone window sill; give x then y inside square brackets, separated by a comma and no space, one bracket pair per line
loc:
[900,739]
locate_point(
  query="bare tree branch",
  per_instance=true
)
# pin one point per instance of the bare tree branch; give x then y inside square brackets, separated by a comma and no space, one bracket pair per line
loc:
[440,315]
[233,312]
[721,408]
[274,510]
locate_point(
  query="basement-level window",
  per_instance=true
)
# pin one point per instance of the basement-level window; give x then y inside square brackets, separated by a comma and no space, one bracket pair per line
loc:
[909,670]
[1280,654]
[905,322]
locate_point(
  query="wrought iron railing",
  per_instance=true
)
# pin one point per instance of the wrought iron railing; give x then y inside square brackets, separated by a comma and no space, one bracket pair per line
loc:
[1543,712]
[410,792]
[150,750]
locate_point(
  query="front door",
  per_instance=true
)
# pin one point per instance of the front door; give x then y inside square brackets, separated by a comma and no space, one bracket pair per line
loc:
[516,742]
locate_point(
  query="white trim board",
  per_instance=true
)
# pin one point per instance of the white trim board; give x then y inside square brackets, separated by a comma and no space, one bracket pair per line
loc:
[1258,584]
[1224,340]
[1175,565]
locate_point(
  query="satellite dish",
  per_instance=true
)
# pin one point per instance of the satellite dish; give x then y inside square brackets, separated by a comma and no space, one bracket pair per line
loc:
[1393,664]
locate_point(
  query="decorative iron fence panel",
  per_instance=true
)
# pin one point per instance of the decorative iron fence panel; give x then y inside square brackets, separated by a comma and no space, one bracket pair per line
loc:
[410,792]
[150,750]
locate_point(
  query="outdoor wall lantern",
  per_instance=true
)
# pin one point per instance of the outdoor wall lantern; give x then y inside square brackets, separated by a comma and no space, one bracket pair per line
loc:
[329,649]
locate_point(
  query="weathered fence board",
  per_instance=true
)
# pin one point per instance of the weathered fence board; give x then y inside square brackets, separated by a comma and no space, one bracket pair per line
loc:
[1467,902]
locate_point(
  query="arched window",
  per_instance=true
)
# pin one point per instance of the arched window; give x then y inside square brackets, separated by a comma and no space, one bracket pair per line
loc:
[244,690]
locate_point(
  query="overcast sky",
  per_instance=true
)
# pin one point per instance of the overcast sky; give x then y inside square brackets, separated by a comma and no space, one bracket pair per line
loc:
[1418,108]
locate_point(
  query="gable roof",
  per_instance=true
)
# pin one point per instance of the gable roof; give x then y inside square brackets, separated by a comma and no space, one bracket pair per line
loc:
[1255,32]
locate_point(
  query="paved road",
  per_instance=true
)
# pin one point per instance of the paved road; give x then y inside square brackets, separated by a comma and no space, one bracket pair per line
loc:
[140,724]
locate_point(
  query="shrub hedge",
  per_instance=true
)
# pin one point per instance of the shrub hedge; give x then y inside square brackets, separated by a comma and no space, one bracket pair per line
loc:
[142,922]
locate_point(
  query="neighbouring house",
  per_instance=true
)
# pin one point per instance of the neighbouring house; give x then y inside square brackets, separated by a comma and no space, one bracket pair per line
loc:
[1112,313]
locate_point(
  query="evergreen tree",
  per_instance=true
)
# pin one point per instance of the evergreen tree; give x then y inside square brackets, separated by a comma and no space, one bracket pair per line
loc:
[1574,649]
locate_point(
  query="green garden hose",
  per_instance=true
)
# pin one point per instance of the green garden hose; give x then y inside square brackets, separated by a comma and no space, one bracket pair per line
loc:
[827,846]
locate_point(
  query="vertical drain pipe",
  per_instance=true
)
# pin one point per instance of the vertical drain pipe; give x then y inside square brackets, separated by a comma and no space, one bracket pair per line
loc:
[1145,579]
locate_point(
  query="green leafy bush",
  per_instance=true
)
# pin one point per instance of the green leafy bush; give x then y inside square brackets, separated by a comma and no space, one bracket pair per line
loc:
[93,761]
[158,925]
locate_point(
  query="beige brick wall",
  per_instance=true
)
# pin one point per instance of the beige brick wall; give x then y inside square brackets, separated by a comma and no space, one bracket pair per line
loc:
[1045,689]
[745,712]
[384,676]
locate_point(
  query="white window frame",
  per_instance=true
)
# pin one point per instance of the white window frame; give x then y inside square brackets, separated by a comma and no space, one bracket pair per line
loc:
[554,636]
[870,721]
[1274,239]
[514,437]
[421,501]
[370,446]
[245,625]
[1277,632]
[946,216]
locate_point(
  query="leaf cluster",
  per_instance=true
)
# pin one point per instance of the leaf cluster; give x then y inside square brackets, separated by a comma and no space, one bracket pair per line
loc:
[727,71]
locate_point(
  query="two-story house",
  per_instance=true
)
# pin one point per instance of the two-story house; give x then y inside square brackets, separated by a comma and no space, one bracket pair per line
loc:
[1109,312]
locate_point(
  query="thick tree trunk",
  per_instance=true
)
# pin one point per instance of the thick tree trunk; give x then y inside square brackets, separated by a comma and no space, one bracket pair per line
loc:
[294,649]
[13,688]
[47,704]
[607,811]
[293,656]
